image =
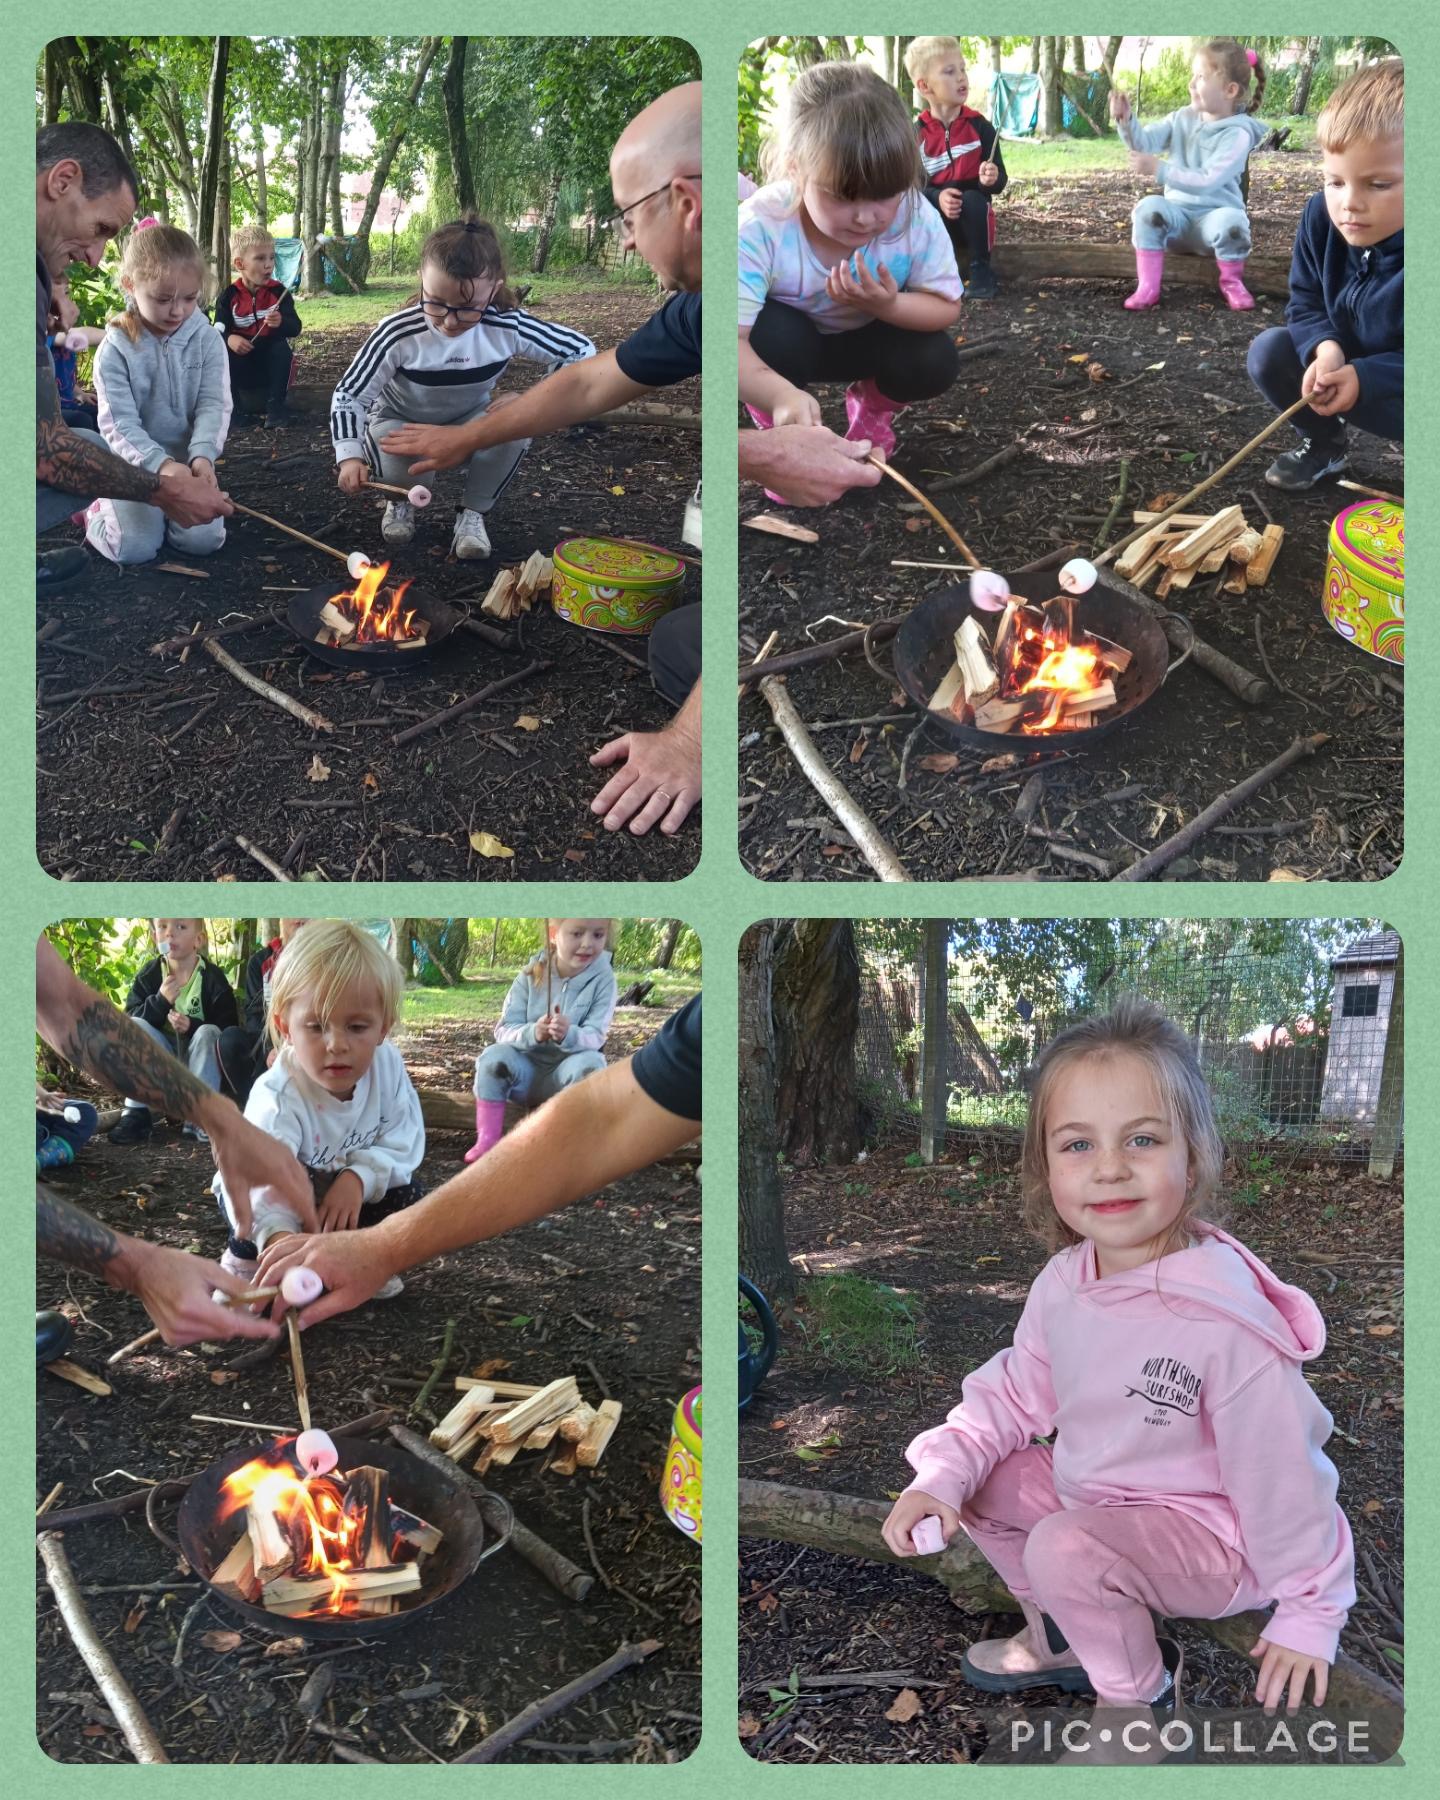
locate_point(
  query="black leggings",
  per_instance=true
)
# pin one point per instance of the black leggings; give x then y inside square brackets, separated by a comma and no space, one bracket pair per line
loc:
[904,365]
[261,379]
[969,234]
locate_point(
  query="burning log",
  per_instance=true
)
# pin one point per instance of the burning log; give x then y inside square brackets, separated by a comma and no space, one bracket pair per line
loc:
[297,1597]
[366,1508]
[419,1533]
[973,659]
[273,1552]
[236,1575]
[339,627]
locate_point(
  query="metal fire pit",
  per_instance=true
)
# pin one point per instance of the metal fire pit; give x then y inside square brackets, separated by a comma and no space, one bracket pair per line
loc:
[924,650]
[303,617]
[204,1538]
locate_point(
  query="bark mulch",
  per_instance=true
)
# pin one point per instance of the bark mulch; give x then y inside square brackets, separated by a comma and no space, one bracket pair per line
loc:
[149,765]
[949,1239]
[1176,403]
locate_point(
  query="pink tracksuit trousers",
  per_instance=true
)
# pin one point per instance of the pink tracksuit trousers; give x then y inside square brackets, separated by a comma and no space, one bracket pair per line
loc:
[1099,1571]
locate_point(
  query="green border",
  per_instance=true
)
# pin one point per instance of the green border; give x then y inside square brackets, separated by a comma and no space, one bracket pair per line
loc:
[719,898]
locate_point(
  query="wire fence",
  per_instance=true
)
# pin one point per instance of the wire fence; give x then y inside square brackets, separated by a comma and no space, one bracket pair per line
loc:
[1293,1073]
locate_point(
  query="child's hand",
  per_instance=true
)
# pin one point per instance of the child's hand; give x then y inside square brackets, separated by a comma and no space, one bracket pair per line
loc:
[352,475]
[906,1514]
[340,1205]
[989,174]
[1281,1668]
[202,467]
[559,1026]
[1330,383]
[170,987]
[797,408]
[1146,166]
[950,203]
[1119,105]
[241,346]
[853,281]
[179,1021]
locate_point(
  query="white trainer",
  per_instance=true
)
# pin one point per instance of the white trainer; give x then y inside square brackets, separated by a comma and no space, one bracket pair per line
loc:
[472,541]
[398,525]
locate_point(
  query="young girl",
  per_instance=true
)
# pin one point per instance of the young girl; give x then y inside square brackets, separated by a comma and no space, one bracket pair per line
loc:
[162,392]
[557,1016]
[337,1094]
[1199,155]
[1187,1476]
[184,1002]
[846,274]
[437,363]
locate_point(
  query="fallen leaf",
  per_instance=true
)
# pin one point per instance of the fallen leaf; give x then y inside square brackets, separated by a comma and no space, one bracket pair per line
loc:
[1088,414]
[906,1707]
[1161,501]
[914,525]
[574,856]
[1154,368]
[487,844]
[1286,875]
[858,749]
[221,1641]
[138,1611]
[317,770]
[749,1725]
[370,784]
[940,763]
[778,1424]
[994,764]
[617,489]
[223,1377]
[1370,1508]
[293,1646]
[527,722]
[1380,1331]
[493,1365]
[1084,356]
[767,1603]
[1097,372]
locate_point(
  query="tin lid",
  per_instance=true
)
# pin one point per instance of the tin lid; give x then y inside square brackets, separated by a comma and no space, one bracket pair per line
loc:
[1369,538]
[616,564]
[690,1411]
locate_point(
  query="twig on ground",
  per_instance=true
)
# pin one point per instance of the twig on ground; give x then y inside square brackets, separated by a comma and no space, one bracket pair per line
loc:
[266,862]
[463,706]
[440,1365]
[306,715]
[539,1710]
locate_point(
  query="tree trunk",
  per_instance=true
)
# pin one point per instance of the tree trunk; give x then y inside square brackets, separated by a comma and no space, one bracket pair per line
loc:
[119,120]
[1112,50]
[816,1012]
[673,928]
[216,142]
[1389,1108]
[220,231]
[385,158]
[903,85]
[1050,67]
[547,222]
[262,181]
[330,154]
[54,84]
[997,54]
[763,1253]
[302,157]
[1077,54]
[79,78]
[1116,262]
[1035,44]
[453,91]
[314,187]
[934,1083]
[1305,76]
[402,946]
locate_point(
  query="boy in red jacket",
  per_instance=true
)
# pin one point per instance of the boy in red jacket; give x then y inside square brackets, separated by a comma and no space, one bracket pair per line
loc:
[964,170]
[256,317]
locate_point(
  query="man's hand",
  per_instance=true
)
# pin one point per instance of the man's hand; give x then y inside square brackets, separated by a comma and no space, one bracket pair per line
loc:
[809,464]
[342,1201]
[352,475]
[241,346]
[1146,166]
[950,202]
[874,292]
[187,500]
[1281,1668]
[352,1264]
[249,1159]
[433,446]
[175,1290]
[906,1514]
[658,781]
[989,174]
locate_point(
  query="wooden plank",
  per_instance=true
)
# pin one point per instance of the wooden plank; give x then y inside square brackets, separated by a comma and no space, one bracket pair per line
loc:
[461,1417]
[1257,570]
[558,1398]
[1228,523]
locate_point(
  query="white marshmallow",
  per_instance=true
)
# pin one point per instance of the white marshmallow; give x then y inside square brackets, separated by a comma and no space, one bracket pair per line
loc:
[1078,576]
[316,1453]
[299,1286]
[988,590]
[420,496]
[928,1536]
[356,563]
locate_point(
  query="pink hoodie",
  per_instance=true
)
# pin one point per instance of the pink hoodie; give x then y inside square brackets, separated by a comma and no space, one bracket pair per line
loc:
[1176,1384]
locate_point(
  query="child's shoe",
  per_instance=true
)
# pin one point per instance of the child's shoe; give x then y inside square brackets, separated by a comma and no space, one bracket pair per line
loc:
[194,1133]
[398,525]
[1130,1736]
[1036,1657]
[133,1126]
[277,417]
[52,1151]
[489,1126]
[471,541]
[980,283]
[53,1332]
[870,413]
[1309,462]
[1150,269]
[1232,285]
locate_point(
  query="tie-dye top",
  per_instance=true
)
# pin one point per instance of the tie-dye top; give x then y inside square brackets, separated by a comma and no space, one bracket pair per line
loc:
[778,262]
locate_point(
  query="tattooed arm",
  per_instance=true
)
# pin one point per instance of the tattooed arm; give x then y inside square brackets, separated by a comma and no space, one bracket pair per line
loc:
[174,1288]
[98,1038]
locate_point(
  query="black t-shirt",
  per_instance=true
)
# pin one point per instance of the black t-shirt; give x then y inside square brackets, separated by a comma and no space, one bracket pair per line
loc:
[47,397]
[668,1067]
[666,348]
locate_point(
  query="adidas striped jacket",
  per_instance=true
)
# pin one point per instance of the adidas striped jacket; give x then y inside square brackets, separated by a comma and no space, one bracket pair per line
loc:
[406,370]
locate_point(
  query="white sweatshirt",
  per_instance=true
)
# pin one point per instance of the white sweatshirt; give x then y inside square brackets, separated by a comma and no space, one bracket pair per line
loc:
[378,1133]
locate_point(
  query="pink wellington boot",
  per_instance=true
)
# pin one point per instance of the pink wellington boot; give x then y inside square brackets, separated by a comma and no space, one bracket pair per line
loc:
[763,422]
[489,1127]
[870,412]
[1149,267]
[1237,296]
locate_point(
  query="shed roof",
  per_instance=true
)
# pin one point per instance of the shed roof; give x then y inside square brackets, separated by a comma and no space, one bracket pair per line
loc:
[1379,947]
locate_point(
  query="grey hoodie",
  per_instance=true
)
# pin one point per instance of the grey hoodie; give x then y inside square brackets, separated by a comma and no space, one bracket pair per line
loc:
[1201,160]
[165,398]
[586,999]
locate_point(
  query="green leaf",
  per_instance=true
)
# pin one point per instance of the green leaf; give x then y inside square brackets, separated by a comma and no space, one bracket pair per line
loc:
[520,1319]
[1186,456]
[135,844]
[806,1454]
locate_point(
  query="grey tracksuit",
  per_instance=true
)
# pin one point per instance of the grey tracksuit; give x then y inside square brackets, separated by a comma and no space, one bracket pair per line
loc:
[1201,162]
[515,1067]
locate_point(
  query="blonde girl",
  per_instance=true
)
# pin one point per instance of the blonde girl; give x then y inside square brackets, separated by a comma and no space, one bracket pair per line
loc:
[556,1019]
[1187,1475]
[162,393]
[1199,155]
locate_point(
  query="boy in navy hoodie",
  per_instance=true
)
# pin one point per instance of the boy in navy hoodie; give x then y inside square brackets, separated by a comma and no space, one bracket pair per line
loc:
[1343,344]
[960,151]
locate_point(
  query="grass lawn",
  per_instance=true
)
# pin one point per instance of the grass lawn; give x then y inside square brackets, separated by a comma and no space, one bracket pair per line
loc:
[481,996]
[388,293]
[1030,160]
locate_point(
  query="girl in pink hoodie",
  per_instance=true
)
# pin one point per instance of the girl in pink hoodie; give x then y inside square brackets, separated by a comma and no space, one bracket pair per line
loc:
[1187,1476]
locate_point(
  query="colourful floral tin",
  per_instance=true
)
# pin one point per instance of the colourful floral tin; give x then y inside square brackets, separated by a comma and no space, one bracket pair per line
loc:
[680,1484]
[607,585]
[1365,578]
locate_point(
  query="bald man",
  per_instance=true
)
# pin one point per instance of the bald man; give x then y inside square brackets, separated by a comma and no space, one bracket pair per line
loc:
[655,178]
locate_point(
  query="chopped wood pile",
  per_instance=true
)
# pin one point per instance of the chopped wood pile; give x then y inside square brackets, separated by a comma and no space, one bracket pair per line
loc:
[514,590]
[1043,672]
[1191,544]
[506,1417]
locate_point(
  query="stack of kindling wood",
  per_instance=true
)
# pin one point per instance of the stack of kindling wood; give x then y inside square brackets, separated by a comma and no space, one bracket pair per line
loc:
[270,1563]
[1191,544]
[982,689]
[508,1417]
[513,590]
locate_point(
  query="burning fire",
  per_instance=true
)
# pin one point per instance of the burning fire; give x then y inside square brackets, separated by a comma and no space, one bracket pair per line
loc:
[1065,670]
[377,619]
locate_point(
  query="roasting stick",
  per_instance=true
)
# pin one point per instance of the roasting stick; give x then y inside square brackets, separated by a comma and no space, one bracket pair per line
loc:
[930,507]
[290,531]
[1359,487]
[297,1364]
[149,1337]
[759,657]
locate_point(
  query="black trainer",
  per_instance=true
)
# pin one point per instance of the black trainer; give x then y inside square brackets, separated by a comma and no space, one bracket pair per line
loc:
[59,568]
[134,1127]
[981,284]
[1310,462]
[53,1332]
[277,417]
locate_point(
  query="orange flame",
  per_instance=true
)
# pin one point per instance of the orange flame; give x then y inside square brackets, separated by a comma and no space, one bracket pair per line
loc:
[1064,668]
[380,620]
[310,1507]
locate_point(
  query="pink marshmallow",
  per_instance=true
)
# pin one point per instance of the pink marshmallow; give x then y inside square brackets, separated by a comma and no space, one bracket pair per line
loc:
[928,1536]
[316,1453]
[988,590]
[299,1286]
[419,496]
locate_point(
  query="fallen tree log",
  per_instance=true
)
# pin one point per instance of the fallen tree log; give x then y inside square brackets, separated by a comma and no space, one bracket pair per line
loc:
[1116,262]
[849,1525]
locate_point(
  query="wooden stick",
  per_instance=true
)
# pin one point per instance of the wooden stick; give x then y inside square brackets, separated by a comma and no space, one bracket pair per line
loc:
[1359,487]
[931,508]
[116,1692]
[253,1297]
[50,1499]
[1164,854]
[437,1369]
[78,1377]
[560,1397]
[502,1390]
[1204,486]
[1257,570]
[266,861]
[776,527]
[592,1446]
[759,657]
[385,487]
[244,1424]
[871,845]
[316,721]
[290,531]
[297,1365]
[539,1710]
[461,1418]
[436,720]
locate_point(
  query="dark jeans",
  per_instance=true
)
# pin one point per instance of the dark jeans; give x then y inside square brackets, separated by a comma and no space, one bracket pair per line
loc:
[675,653]
[904,365]
[259,381]
[395,1200]
[970,234]
[78,416]
[1275,368]
[243,1055]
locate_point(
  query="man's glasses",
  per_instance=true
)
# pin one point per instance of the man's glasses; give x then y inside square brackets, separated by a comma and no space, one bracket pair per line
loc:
[623,219]
[438,310]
